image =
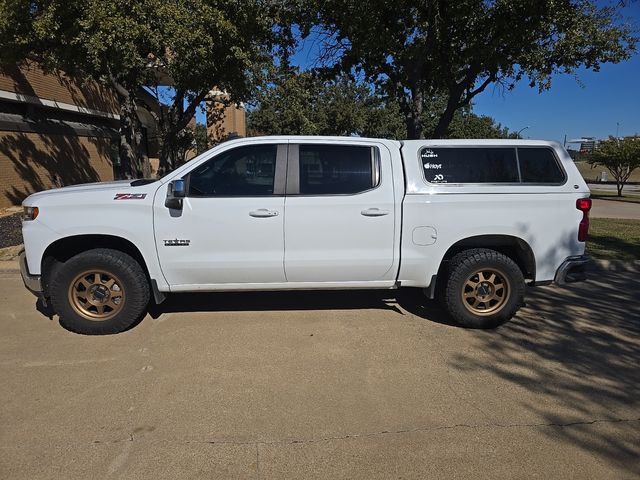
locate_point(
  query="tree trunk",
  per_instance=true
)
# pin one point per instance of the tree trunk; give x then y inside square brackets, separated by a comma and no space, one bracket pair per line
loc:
[172,127]
[619,186]
[445,119]
[168,152]
[415,130]
[132,163]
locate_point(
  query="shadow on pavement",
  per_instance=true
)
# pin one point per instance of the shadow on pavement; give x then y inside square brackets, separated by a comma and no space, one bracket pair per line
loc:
[286,301]
[409,299]
[577,347]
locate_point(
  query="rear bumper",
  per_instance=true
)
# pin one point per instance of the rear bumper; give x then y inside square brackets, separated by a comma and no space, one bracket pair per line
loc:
[573,269]
[32,282]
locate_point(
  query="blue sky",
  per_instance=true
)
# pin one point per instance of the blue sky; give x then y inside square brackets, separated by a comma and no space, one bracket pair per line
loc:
[591,109]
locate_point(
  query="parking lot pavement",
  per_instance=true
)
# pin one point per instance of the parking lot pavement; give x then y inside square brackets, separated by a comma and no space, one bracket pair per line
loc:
[326,385]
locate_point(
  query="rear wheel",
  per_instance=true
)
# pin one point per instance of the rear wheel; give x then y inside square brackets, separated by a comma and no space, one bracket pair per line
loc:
[99,291]
[484,288]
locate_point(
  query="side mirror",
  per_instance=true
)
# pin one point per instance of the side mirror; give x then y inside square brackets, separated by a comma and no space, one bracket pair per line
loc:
[176,191]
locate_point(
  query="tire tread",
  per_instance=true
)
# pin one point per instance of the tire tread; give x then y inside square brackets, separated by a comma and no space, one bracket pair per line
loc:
[137,300]
[459,267]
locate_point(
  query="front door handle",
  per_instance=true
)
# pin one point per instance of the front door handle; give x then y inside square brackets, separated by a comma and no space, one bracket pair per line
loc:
[374,212]
[263,213]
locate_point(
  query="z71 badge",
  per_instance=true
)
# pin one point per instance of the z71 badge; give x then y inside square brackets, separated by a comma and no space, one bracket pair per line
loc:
[130,196]
[177,243]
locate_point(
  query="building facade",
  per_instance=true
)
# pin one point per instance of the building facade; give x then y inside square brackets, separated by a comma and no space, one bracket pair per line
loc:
[57,131]
[54,131]
[224,119]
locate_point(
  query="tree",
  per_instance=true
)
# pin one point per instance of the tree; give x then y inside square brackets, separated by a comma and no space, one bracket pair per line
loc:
[464,124]
[306,104]
[620,156]
[414,50]
[201,137]
[224,45]
[191,45]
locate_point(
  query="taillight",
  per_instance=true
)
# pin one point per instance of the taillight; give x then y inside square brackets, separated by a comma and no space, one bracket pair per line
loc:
[584,205]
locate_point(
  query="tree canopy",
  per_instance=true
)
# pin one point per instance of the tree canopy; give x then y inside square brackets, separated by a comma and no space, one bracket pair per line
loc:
[414,51]
[620,156]
[306,104]
[193,46]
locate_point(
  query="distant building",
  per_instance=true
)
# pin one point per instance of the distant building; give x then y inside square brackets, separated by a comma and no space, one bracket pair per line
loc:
[224,119]
[587,144]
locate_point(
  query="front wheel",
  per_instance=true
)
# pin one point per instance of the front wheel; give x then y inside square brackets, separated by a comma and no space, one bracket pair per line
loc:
[484,288]
[99,291]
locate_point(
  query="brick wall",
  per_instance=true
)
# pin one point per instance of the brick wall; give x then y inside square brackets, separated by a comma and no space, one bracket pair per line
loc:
[31,80]
[31,162]
[224,120]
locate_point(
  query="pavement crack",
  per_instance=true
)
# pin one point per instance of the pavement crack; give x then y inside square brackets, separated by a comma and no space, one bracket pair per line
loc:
[257,443]
[258,460]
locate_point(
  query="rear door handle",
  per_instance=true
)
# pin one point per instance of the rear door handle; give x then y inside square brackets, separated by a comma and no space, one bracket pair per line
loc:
[263,213]
[374,212]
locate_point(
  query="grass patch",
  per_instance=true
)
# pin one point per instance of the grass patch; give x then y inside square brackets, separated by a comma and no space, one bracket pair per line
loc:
[614,238]
[606,195]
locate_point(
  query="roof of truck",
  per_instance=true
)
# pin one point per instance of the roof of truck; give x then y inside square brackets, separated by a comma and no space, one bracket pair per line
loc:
[425,141]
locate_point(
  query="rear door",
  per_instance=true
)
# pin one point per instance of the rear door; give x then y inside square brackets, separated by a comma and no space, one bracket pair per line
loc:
[340,219]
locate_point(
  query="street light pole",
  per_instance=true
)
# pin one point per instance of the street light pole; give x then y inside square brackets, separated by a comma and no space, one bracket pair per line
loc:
[521,130]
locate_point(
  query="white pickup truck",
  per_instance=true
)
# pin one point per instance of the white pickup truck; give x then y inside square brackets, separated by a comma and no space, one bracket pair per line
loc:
[471,222]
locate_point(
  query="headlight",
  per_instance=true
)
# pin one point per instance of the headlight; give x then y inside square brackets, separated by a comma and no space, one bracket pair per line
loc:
[30,213]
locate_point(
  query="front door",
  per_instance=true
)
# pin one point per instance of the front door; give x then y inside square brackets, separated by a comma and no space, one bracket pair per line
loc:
[340,214]
[230,229]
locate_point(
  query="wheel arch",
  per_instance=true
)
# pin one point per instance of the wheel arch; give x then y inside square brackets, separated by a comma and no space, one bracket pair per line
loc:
[513,247]
[64,248]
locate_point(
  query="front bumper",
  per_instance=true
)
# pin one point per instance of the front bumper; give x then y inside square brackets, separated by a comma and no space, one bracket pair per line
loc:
[32,282]
[573,269]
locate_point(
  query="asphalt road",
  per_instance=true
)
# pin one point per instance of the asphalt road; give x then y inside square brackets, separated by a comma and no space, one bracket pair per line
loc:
[326,385]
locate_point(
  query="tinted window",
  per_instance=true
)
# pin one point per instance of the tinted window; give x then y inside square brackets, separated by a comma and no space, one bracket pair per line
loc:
[336,169]
[539,165]
[243,171]
[469,165]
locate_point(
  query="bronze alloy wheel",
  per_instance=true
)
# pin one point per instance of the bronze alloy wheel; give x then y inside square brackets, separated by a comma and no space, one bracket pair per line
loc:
[486,291]
[96,295]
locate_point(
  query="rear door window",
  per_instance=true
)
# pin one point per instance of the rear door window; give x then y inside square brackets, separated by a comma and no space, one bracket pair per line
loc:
[337,169]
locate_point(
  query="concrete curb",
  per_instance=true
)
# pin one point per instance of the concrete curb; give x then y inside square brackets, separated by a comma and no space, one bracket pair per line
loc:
[9,266]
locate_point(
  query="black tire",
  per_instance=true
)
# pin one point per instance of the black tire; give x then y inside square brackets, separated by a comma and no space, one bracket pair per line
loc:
[466,304]
[129,294]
